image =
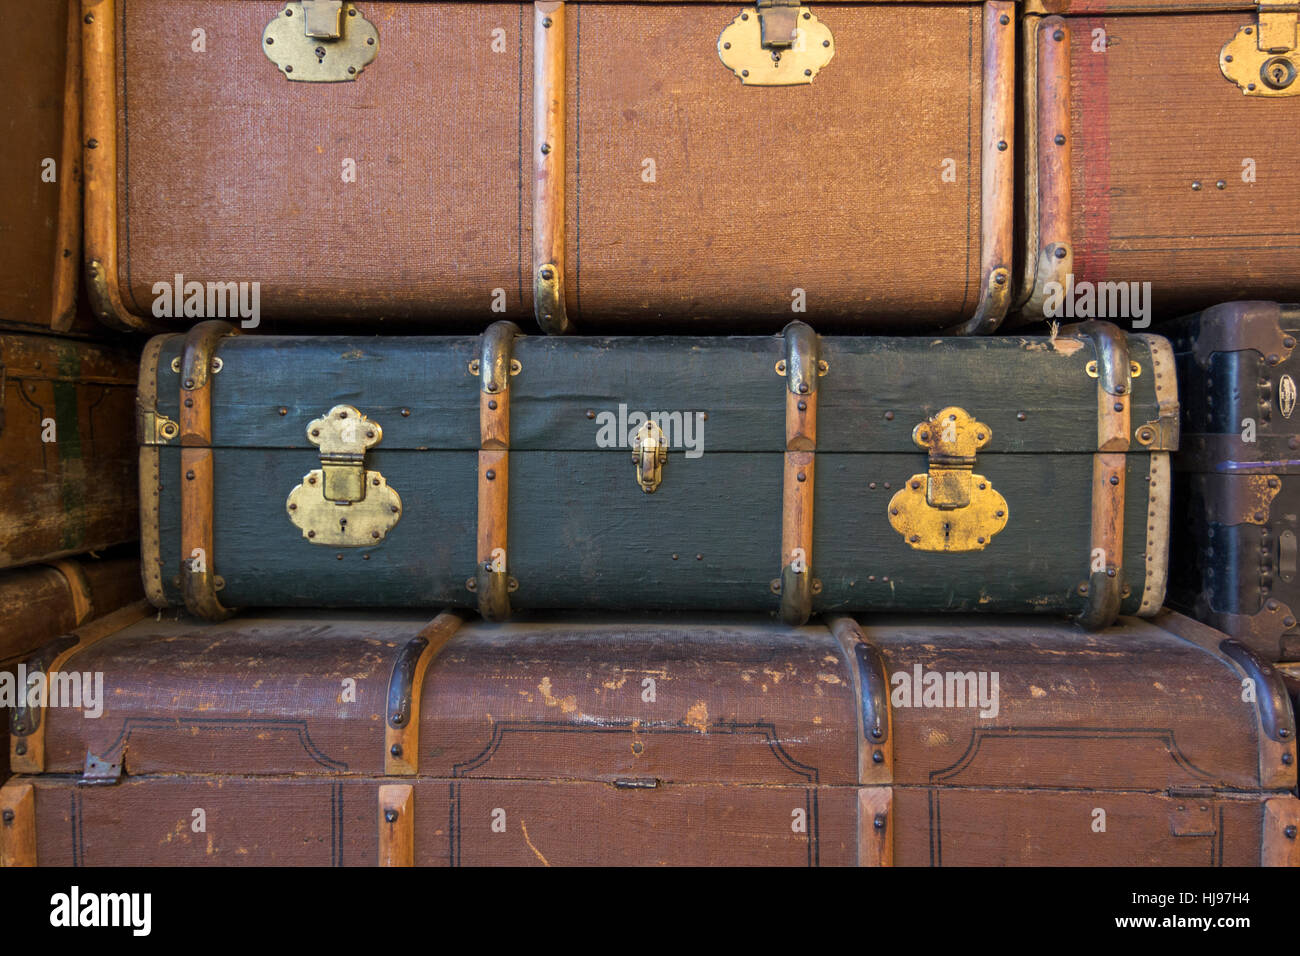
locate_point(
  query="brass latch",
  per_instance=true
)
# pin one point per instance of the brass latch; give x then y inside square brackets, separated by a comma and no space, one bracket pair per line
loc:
[950,508]
[778,43]
[343,504]
[1263,59]
[320,41]
[649,453]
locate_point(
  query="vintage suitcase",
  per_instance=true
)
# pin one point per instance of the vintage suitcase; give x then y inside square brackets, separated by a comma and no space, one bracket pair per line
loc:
[334,740]
[994,474]
[40,168]
[67,455]
[1162,163]
[41,602]
[1236,490]
[601,164]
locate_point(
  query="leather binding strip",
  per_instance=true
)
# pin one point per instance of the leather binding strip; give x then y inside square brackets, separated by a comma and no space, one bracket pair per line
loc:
[492,581]
[68,227]
[27,724]
[1027,209]
[83,605]
[1159,481]
[99,53]
[1103,585]
[549,60]
[802,369]
[405,686]
[1055,253]
[17,824]
[146,401]
[997,172]
[199,581]
[875,747]
[397,825]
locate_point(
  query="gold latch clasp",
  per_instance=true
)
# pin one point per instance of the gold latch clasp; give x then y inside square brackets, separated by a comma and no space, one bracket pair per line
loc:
[343,504]
[949,508]
[777,43]
[649,453]
[1263,59]
[320,41]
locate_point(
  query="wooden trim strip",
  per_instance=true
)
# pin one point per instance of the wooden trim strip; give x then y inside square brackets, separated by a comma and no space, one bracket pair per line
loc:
[397,825]
[27,751]
[17,824]
[199,580]
[99,132]
[402,729]
[549,64]
[1028,115]
[67,241]
[83,605]
[1055,253]
[150,486]
[492,581]
[997,169]
[803,367]
[1280,839]
[875,826]
[1159,493]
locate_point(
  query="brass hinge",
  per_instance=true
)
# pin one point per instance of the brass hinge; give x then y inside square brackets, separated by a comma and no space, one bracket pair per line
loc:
[949,508]
[1263,59]
[152,427]
[343,504]
[778,43]
[320,41]
[649,453]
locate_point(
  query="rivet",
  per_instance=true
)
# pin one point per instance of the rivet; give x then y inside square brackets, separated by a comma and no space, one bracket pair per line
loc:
[490,474]
[1288,622]
[90,18]
[548,274]
[282,410]
[406,413]
[1289,342]
[189,383]
[998,514]
[546,22]
[1221,184]
[1196,186]
[590,414]
[370,434]
[1000,278]
[492,404]
[396,750]
[189,475]
[1286,759]
[801,476]
[1259,516]
[803,387]
[914,538]
[803,406]
[315,432]
[92,143]
[1060,139]
[1114,479]
[8,816]
[1118,406]
[807,72]
[189,403]
[1020,416]
[879,821]
[1058,36]
[1289,831]
[916,484]
[699,557]
[20,747]
[1273,360]
[1271,605]
[889,416]
[826,42]
[744,72]
[311,534]
[338,557]
[390,816]
[546,148]
[1004,19]
[1060,252]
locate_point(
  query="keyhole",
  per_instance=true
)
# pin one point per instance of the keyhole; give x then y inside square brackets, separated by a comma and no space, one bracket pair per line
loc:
[947,531]
[320,54]
[1278,72]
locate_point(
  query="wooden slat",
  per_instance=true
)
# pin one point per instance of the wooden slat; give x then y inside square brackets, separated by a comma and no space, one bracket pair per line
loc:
[396,825]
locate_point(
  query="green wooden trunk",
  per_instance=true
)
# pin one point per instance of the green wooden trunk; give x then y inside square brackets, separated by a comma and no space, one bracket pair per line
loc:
[583,534]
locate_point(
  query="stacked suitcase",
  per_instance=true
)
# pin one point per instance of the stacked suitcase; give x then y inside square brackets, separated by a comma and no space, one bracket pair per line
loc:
[673,433]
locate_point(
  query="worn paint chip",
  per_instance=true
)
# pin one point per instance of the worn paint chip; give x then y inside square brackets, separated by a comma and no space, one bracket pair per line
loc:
[698,717]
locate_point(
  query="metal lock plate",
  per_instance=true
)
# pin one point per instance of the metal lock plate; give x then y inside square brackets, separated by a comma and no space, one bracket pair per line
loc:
[320,41]
[343,504]
[950,508]
[1264,59]
[649,453]
[777,43]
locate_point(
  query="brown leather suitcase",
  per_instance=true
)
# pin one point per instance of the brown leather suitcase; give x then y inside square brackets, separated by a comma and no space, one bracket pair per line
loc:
[40,168]
[67,448]
[1159,151]
[597,164]
[333,740]
[41,602]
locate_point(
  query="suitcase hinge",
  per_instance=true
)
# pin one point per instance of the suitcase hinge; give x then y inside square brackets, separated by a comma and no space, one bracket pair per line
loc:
[778,43]
[100,771]
[1263,59]
[342,504]
[649,454]
[320,41]
[949,508]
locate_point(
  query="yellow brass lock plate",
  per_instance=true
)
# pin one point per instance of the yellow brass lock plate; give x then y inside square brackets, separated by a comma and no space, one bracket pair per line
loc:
[949,508]
[776,44]
[343,504]
[1264,59]
[320,41]
[649,453]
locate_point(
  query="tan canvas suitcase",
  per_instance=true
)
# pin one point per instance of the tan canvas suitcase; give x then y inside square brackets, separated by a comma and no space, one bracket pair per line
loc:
[1162,156]
[598,165]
